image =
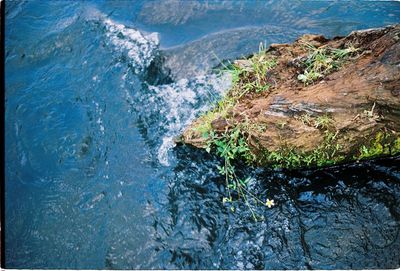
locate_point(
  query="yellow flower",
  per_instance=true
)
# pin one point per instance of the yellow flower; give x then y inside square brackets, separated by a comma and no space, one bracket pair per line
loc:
[269,203]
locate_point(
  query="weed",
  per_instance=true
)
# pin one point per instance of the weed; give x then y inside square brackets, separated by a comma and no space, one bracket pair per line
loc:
[248,76]
[204,126]
[309,76]
[322,122]
[252,74]
[306,119]
[282,124]
[288,157]
[322,61]
[231,145]
[381,144]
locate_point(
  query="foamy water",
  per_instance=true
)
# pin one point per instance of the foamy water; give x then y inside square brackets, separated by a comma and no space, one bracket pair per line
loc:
[177,104]
[139,48]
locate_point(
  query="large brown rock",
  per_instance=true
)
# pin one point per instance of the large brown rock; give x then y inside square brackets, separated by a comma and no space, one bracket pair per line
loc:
[360,100]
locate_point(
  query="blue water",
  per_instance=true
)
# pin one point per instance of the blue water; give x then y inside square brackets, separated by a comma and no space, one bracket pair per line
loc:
[95,93]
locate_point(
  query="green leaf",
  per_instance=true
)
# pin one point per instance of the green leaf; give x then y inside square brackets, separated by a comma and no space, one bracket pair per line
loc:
[302,78]
[232,186]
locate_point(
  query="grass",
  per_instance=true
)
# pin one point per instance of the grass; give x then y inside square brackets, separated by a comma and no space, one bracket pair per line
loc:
[288,157]
[248,76]
[322,61]
[322,122]
[251,75]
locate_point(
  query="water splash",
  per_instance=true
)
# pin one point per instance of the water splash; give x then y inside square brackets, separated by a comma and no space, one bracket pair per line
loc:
[179,103]
[139,48]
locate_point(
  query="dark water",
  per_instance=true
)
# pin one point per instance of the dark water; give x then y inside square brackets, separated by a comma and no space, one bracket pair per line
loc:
[95,93]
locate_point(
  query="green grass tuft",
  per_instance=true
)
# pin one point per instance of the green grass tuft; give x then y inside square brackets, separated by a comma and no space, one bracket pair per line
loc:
[322,61]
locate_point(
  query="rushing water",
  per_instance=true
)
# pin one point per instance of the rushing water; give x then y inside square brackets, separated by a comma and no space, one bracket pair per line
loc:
[95,94]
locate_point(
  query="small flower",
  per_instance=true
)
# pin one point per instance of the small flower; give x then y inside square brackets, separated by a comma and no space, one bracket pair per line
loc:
[269,203]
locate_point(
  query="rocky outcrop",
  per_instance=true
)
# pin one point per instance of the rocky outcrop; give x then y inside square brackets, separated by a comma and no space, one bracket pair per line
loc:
[351,112]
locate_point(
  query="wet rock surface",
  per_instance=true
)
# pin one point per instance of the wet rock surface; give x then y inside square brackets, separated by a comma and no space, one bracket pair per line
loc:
[325,218]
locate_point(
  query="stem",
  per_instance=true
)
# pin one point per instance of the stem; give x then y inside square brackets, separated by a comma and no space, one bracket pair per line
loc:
[251,209]
[227,178]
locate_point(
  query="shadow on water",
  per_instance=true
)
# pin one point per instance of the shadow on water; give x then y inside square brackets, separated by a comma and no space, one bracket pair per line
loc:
[94,179]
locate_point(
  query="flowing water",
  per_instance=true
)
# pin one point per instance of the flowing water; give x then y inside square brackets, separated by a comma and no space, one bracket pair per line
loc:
[95,94]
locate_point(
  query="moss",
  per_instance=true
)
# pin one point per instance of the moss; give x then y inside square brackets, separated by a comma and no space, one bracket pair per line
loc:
[329,152]
[382,144]
[289,157]
[395,147]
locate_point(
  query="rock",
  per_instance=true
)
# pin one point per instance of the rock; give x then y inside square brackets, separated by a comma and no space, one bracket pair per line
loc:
[349,114]
[219,124]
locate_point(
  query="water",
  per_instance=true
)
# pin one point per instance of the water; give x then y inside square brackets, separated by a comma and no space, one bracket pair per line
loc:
[95,94]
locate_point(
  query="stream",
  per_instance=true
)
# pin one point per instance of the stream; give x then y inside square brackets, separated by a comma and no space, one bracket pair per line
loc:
[96,92]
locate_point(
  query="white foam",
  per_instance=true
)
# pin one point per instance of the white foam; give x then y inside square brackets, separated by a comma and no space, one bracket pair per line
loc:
[139,48]
[162,155]
[178,105]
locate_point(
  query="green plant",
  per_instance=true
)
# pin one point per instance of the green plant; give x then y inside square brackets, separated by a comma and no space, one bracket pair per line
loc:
[322,122]
[231,145]
[382,143]
[248,76]
[309,76]
[252,74]
[282,124]
[306,119]
[395,146]
[289,157]
[322,61]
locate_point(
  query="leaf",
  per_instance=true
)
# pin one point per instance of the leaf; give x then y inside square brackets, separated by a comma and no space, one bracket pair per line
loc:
[248,179]
[221,170]
[302,77]
[232,186]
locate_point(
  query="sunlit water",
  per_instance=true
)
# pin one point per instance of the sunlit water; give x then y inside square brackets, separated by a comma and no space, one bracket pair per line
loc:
[96,93]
